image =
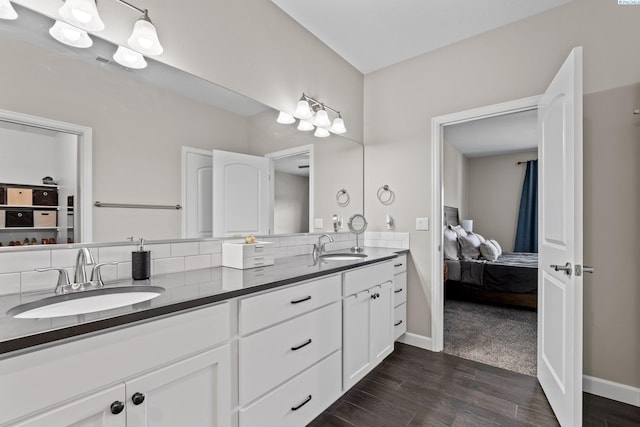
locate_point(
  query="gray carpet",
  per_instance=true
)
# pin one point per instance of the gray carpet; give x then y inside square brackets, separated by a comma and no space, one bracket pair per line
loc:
[498,336]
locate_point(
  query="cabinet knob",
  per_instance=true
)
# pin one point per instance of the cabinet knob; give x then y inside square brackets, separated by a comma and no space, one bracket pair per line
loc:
[137,398]
[117,407]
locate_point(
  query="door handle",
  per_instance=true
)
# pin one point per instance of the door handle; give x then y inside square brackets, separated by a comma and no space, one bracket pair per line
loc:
[583,269]
[566,268]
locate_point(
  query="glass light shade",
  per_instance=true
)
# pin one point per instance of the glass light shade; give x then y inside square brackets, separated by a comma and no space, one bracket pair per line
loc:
[322,119]
[7,11]
[467,225]
[129,58]
[144,38]
[303,111]
[82,14]
[338,126]
[70,35]
[285,118]
[305,125]
[321,133]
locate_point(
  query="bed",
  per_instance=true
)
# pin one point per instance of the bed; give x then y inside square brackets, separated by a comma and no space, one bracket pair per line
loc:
[511,279]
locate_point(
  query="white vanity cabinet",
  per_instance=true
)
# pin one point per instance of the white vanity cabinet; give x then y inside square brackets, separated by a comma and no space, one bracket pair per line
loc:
[166,372]
[289,353]
[399,296]
[367,320]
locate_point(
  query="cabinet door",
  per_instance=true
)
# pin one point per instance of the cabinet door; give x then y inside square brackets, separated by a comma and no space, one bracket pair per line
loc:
[194,392]
[355,338]
[381,321]
[93,410]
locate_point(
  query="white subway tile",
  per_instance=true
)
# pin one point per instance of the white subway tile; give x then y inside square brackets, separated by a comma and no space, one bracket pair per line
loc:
[14,262]
[405,244]
[124,270]
[67,257]
[387,235]
[301,240]
[287,241]
[211,247]
[168,265]
[37,281]
[115,253]
[197,262]
[216,260]
[372,235]
[184,249]
[162,250]
[273,240]
[109,273]
[9,283]
[401,236]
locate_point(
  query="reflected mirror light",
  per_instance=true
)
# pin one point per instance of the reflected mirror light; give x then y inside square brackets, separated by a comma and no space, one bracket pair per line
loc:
[70,35]
[129,58]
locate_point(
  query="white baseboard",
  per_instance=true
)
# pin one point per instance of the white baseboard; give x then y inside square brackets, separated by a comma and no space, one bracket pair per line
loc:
[416,340]
[611,390]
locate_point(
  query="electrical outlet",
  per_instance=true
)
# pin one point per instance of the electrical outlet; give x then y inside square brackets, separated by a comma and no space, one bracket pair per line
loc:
[422,224]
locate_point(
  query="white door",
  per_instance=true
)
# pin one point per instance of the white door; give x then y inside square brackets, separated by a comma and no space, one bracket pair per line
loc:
[241,194]
[102,409]
[197,188]
[560,242]
[193,392]
[381,321]
[356,338]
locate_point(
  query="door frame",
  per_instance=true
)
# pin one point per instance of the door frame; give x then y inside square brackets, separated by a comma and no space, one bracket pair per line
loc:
[437,203]
[185,150]
[303,149]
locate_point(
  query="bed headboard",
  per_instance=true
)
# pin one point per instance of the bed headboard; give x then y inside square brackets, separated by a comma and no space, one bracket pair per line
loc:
[451,216]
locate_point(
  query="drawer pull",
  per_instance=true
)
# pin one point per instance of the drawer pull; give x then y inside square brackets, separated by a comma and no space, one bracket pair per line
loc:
[398,265]
[298,301]
[398,323]
[307,400]
[301,345]
[397,291]
[117,407]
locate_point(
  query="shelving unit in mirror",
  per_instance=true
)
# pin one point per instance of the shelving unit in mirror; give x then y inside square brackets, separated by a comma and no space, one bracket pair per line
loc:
[33,215]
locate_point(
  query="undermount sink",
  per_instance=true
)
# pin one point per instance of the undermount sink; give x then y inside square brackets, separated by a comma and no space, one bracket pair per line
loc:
[343,257]
[84,302]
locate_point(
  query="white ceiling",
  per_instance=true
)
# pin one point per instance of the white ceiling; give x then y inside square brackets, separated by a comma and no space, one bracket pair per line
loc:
[509,133]
[373,34]
[294,165]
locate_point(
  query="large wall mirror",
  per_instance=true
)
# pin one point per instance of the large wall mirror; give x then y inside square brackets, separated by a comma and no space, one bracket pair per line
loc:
[144,124]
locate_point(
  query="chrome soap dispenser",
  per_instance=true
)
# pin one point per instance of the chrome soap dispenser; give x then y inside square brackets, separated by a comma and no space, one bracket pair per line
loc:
[141,262]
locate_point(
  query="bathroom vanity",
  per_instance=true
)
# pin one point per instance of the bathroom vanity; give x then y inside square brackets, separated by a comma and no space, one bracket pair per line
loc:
[273,346]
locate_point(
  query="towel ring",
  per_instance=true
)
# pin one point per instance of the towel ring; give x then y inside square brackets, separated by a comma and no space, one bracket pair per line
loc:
[343,198]
[386,195]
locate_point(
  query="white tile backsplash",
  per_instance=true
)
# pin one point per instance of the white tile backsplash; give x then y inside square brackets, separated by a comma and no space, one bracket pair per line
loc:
[185,249]
[67,257]
[14,262]
[168,265]
[114,253]
[197,262]
[216,260]
[9,283]
[37,281]
[124,270]
[162,250]
[211,247]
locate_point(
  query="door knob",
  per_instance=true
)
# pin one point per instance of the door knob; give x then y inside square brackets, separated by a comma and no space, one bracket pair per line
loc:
[137,398]
[117,407]
[566,268]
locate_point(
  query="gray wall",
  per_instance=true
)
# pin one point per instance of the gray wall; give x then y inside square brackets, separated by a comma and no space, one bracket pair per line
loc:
[517,61]
[455,180]
[291,204]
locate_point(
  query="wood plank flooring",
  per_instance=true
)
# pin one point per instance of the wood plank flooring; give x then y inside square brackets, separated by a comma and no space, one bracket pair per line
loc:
[415,387]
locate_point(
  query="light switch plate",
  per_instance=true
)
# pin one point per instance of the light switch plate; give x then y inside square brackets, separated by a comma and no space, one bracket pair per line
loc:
[422,224]
[318,223]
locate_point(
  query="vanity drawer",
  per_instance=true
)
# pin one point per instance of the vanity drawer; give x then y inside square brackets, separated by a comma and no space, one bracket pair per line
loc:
[19,196]
[45,218]
[399,321]
[300,400]
[270,308]
[19,218]
[247,255]
[272,356]
[358,280]
[399,289]
[400,264]
[45,197]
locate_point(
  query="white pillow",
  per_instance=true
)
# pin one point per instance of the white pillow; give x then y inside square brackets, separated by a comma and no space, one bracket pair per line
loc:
[459,230]
[489,251]
[469,246]
[497,245]
[450,246]
[479,236]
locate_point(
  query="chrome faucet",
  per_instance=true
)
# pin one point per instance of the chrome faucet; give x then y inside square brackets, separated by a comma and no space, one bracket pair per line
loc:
[321,246]
[83,259]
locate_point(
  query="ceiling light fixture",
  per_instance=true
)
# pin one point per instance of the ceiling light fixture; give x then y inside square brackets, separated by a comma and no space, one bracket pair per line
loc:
[312,112]
[7,11]
[81,16]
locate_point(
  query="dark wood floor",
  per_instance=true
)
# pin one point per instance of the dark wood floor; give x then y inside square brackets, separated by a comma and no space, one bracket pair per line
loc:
[415,387]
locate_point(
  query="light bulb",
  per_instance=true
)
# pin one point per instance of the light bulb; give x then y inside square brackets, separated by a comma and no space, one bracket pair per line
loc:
[129,58]
[338,126]
[144,37]
[285,118]
[82,14]
[322,118]
[7,11]
[70,35]
[305,125]
[303,111]
[321,133]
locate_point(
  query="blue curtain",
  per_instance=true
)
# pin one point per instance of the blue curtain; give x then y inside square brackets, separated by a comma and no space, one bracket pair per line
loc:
[527,231]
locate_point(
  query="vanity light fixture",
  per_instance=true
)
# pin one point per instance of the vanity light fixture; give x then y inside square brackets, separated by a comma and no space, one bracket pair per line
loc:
[144,37]
[7,11]
[129,58]
[313,113]
[82,14]
[70,35]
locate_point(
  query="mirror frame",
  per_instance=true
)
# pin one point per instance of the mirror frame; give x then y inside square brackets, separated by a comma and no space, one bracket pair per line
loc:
[84,168]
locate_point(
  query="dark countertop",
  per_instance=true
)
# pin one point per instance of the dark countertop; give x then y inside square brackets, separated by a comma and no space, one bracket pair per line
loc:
[183,291]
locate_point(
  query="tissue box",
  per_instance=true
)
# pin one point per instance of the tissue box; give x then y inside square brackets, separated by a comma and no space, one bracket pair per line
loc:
[247,255]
